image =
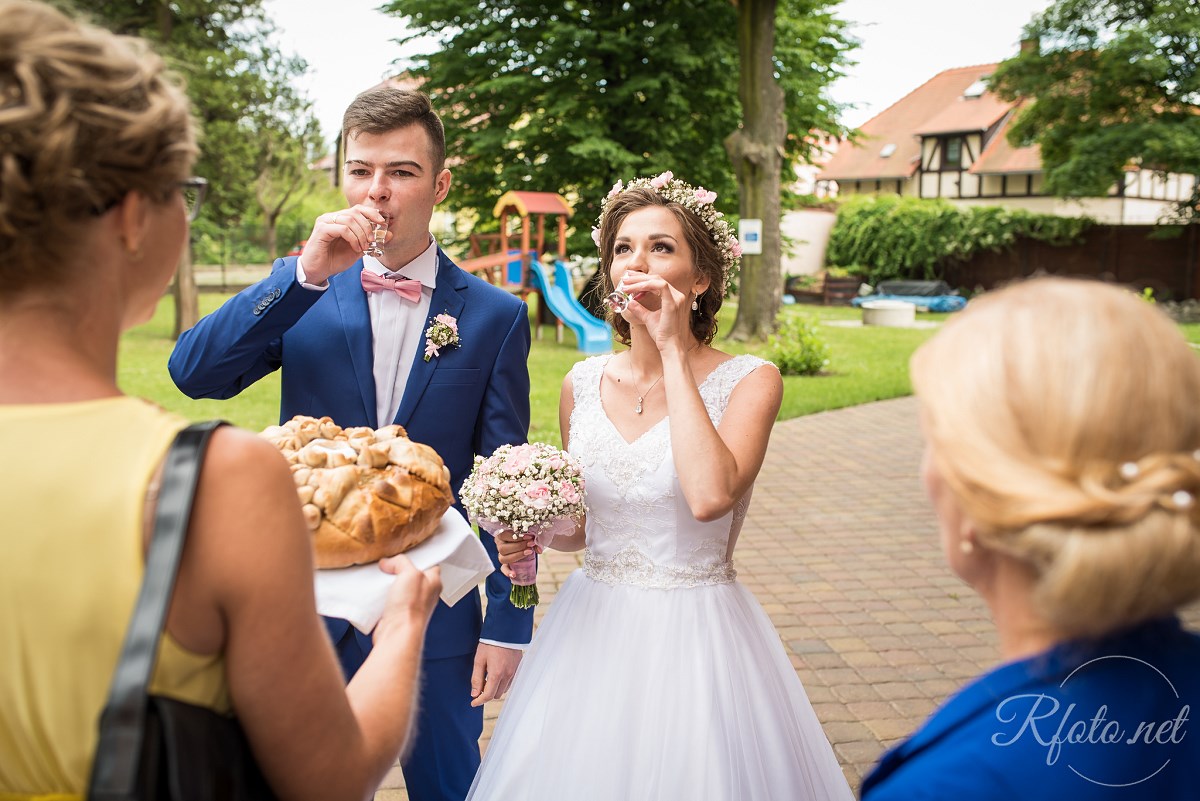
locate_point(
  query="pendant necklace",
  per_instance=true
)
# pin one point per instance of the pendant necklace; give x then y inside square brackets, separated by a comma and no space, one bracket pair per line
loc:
[642,395]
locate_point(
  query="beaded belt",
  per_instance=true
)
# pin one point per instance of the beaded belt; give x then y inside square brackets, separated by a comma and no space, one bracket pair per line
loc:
[634,568]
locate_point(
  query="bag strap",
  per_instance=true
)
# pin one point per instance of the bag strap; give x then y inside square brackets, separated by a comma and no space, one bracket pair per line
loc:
[122,727]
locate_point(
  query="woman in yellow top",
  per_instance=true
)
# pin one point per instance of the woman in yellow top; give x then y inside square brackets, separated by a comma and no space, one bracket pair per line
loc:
[96,145]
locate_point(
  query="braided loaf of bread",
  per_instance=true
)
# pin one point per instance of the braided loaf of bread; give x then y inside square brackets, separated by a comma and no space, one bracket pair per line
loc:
[365,493]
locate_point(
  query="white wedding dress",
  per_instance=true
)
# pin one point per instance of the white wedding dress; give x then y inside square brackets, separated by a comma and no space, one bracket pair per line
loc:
[654,674]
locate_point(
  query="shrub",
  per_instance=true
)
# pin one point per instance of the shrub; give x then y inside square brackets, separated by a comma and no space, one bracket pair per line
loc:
[909,238]
[797,347]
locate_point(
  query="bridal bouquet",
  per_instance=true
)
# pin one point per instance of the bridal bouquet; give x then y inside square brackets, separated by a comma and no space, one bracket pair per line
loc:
[534,488]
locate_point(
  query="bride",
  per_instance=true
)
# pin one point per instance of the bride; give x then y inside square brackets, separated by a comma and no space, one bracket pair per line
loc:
[655,675]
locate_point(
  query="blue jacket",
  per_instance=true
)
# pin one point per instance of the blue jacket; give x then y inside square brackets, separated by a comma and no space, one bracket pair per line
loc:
[1107,719]
[469,400]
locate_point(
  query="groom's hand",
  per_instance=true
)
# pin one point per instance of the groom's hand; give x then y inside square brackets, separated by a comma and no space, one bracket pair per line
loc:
[337,241]
[493,674]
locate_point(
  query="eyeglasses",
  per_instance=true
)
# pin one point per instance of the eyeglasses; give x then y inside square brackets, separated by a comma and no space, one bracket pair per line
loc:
[194,190]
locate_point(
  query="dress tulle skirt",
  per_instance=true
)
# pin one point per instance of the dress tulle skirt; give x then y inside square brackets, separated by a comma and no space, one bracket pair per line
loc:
[630,693]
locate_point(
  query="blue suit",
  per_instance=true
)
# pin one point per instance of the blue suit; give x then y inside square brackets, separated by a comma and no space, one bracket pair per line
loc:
[1105,719]
[467,401]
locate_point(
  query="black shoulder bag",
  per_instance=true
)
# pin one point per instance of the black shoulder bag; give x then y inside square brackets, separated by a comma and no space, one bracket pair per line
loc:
[159,748]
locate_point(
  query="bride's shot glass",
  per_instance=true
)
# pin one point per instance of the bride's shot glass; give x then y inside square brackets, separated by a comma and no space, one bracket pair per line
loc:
[618,301]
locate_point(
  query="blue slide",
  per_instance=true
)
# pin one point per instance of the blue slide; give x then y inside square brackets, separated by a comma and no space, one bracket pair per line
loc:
[593,336]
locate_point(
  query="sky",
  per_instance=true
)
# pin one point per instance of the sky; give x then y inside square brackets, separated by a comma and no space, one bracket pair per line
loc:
[904,43]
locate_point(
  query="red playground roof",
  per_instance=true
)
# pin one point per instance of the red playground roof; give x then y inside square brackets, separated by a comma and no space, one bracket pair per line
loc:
[527,203]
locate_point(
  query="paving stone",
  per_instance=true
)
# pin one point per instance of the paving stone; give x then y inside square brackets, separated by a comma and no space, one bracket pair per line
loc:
[841,548]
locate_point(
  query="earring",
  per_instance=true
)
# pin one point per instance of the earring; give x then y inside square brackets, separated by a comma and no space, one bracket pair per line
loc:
[695,303]
[966,546]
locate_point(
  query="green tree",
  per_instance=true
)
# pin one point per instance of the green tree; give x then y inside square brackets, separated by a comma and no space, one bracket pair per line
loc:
[251,119]
[288,139]
[569,97]
[1112,83]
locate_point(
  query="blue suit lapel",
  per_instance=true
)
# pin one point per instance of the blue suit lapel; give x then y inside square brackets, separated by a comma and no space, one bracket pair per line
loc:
[448,298]
[356,323]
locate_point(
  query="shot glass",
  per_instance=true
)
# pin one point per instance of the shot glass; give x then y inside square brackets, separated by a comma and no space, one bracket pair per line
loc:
[378,236]
[618,301]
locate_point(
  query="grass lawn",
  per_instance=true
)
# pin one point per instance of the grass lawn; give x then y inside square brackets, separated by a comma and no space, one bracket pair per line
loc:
[866,364]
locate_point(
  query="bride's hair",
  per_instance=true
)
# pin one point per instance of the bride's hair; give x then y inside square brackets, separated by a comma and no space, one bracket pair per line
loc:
[709,261]
[85,118]
[1064,417]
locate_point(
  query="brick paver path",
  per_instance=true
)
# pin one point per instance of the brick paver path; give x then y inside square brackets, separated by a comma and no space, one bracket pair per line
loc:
[841,549]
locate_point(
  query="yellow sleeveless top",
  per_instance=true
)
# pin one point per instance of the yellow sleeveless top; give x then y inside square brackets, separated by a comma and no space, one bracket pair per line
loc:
[72,498]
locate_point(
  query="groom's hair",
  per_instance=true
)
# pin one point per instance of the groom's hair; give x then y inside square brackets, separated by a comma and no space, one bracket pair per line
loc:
[378,111]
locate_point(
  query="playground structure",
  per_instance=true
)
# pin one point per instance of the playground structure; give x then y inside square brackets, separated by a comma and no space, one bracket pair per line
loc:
[522,271]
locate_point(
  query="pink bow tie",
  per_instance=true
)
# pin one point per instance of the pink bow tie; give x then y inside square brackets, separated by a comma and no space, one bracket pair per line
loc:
[407,288]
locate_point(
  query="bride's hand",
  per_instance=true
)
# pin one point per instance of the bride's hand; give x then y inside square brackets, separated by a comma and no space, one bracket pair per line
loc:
[512,550]
[660,307]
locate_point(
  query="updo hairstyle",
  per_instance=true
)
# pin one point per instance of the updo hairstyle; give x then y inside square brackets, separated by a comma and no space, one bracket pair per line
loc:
[85,118]
[1064,415]
[708,259]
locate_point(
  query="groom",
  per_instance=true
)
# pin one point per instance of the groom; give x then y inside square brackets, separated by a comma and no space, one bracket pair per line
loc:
[351,342]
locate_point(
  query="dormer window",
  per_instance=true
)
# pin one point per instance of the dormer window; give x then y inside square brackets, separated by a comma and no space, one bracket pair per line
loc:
[887,150]
[978,88]
[952,153]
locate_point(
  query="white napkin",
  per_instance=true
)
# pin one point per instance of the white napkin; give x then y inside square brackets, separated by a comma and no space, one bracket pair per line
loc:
[358,593]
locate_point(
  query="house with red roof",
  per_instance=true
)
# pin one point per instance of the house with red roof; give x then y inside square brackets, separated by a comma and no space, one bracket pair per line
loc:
[947,139]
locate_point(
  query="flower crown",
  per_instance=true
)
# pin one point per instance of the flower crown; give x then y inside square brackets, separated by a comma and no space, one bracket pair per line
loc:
[697,200]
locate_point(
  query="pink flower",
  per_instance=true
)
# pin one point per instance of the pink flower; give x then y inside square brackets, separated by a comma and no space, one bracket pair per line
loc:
[735,247]
[703,196]
[448,321]
[662,180]
[537,495]
[508,488]
[616,190]
[567,491]
[596,236]
[518,459]
[431,349]
[556,463]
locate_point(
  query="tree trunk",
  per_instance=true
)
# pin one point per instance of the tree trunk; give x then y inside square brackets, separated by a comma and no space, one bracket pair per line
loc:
[271,235]
[187,296]
[756,150]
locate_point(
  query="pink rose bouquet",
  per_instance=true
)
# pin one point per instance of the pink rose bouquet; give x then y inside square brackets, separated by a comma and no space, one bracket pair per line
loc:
[533,488]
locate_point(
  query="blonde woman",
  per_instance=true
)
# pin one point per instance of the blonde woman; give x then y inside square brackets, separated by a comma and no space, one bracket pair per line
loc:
[655,674]
[96,148]
[1062,425]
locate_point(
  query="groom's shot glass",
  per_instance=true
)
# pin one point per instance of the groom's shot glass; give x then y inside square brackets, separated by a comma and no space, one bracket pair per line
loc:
[378,235]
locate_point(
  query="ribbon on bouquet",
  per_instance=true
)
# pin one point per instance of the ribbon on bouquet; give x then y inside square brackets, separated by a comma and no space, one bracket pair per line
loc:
[524,579]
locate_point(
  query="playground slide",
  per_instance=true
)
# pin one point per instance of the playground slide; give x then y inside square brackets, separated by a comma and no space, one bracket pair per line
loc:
[593,336]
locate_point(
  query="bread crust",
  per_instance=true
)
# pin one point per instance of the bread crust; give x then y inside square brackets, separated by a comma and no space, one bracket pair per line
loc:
[365,494]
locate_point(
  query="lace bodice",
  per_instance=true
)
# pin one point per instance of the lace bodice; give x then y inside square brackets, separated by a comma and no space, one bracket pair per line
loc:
[639,528]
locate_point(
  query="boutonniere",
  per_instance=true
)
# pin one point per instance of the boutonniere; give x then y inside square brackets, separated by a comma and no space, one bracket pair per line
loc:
[441,333]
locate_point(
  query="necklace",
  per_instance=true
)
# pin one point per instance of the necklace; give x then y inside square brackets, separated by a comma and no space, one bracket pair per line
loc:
[641,395]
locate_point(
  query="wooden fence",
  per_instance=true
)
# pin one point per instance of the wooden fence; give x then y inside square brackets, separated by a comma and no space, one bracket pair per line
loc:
[1165,258]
